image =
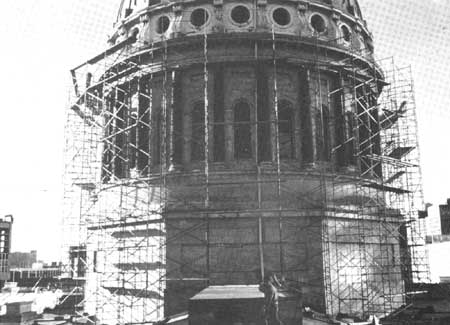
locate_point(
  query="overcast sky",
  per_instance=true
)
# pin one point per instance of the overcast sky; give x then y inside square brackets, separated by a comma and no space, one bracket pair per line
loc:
[43,39]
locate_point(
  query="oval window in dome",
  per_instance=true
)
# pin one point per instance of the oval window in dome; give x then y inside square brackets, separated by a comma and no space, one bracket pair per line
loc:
[240,14]
[162,24]
[318,23]
[281,16]
[199,17]
[345,33]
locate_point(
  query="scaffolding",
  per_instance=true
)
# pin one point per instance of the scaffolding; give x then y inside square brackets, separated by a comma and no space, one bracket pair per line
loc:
[387,155]
[123,187]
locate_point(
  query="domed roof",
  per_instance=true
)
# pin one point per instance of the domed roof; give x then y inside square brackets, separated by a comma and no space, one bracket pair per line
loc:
[350,7]
[338,22]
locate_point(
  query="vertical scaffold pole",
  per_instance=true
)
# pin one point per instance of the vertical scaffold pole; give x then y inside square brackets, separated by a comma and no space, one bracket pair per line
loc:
[277,145]
[206,117]
[206,144]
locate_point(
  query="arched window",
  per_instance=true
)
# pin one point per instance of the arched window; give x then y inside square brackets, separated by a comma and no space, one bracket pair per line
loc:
[286,129]
[198,132]
[242,131]
[323,133]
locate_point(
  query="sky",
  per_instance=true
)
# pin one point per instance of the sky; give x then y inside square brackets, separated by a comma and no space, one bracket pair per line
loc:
[43,39]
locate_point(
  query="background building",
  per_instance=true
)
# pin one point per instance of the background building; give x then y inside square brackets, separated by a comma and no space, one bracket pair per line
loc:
[22,259]
[439,245]
[215,142]
[5,247]
[444,212]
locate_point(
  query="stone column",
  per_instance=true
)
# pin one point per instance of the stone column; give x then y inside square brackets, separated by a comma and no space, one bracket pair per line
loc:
[349,124]
[219,113]
[186,120]
[307,95]
[177,109]
[263,112]
[228,119]
[332,105]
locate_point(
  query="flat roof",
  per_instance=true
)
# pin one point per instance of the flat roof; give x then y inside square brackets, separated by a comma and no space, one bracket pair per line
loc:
[229,292]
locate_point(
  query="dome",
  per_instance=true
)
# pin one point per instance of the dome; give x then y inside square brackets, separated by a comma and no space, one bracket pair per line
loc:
[350,7]
[235,134]
[339,23]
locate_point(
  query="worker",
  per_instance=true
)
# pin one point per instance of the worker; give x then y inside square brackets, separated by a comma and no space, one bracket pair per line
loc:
[270,288]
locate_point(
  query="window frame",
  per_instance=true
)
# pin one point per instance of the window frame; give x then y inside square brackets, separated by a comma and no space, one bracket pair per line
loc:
[248,124]
[286,104]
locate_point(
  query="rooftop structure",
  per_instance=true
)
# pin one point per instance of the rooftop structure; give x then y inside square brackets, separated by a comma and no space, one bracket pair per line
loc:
[444,213]
[214,142]
[239,304]
[5,247]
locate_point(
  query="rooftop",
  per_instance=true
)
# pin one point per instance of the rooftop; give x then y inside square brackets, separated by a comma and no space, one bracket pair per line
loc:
[229,292]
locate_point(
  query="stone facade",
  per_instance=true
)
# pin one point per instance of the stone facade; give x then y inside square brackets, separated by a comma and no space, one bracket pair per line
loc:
[280,189]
